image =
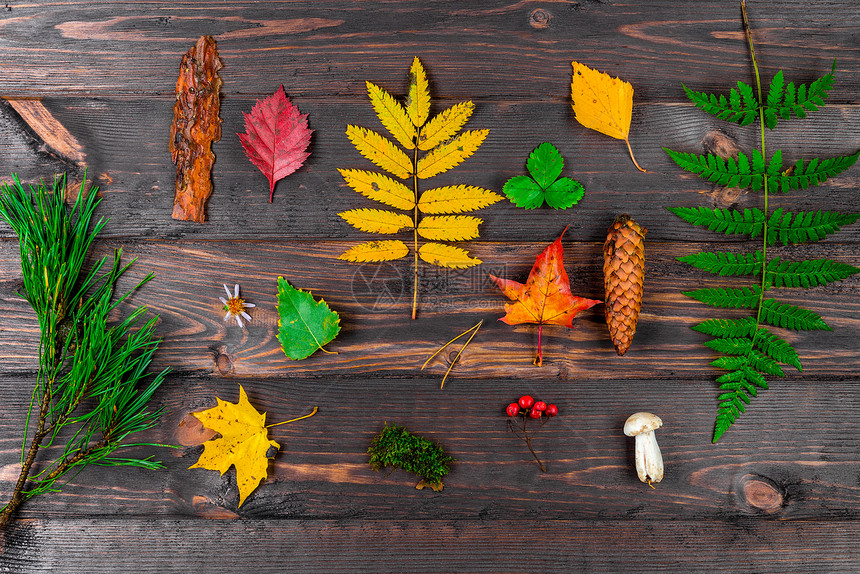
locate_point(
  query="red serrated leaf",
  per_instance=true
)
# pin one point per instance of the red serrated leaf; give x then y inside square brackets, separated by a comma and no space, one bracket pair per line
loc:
[545,298]
[276,138]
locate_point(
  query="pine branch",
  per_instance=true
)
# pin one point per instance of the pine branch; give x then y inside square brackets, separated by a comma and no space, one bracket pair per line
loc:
[83,360]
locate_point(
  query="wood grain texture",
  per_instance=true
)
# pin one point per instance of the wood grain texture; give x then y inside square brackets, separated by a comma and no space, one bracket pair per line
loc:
[378,336]
[772,463]
[128,158]
[266,546]
[778,494]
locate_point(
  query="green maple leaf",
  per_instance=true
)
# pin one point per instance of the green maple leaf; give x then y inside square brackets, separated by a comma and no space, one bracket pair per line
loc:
[304,324]
[544,164]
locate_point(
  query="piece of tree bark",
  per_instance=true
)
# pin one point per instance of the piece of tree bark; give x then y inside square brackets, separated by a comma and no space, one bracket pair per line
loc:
[196,124]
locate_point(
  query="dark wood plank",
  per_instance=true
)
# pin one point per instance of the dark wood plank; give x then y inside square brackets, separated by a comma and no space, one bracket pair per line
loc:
[130,160]
[791,456]
[529,544]
[327,47]
[379,338]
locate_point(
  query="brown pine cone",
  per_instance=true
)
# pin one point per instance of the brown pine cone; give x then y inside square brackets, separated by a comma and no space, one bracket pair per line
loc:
[623,276]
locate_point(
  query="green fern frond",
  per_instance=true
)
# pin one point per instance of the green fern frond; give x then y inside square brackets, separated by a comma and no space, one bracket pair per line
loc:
[725,263]
[727,221]
[740,385]
[738,298]
[805,227]
[740,107]
[783,100]
[730,345]
[777,349]
[791,317]
[751,358]
[746,172]
[729,328]
[806,274]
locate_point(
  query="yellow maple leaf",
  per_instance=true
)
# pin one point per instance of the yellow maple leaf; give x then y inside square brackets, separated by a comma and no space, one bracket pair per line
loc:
[243,443]
[603,103]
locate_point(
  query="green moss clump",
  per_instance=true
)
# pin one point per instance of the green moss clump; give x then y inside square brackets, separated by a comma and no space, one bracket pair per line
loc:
[398,448]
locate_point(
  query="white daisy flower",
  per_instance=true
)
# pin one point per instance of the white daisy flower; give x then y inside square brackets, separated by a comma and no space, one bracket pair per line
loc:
[235,306]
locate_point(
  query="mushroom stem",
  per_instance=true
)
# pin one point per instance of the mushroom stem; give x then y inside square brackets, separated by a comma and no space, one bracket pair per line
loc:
[649,460]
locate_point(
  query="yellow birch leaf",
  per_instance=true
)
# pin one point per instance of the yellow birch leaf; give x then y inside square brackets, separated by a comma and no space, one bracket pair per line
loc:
[456,199]
[372,251]
[447,256]
[243,443]
[449,227]
[377,220]
[602,103]
[379,187]
[418,104]
[392,115]
[380,150]
[451,153]
[445,125]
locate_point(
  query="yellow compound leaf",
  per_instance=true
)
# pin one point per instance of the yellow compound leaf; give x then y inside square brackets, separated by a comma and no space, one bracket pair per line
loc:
[447,256]
[602,103]
[449,227]
[456,199]
[392,115]
[379,187]
[373,251]
[445,125]
[380,150]
[418,105]
[243,443]
[377,220]
[451,153]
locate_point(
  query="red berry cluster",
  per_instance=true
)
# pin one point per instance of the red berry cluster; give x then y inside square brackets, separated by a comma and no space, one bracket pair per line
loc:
[534,409]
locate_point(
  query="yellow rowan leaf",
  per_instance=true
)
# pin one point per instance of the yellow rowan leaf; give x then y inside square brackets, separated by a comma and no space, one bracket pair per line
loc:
[418,105]
[446,256]
[444,125]
[377,220]
[379,187]
[393,115]
[451,153]
[387,250]
[380,150]
[243,443]
[456,199]
[449,227]
[602,103]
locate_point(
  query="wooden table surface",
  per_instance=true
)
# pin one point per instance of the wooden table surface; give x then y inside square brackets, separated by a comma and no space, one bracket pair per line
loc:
[89,86]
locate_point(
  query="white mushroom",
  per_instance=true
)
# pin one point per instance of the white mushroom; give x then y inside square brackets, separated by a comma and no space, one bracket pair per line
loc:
[649,461]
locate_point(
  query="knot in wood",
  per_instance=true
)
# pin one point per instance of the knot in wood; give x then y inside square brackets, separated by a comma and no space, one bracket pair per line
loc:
[539,19]
[224,363]
[762,494]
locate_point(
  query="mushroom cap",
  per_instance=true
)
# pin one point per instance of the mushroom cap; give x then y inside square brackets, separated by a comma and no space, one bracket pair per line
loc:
[637,423]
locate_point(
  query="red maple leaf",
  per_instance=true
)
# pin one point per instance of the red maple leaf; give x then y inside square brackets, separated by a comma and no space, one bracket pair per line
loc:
[276,138]
[545,299]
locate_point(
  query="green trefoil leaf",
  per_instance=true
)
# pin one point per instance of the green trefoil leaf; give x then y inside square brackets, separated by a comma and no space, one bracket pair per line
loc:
[545,164]
[305,324]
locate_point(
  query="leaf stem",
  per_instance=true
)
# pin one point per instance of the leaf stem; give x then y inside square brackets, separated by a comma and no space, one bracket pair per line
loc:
[629,149]
[415,228]
[539,359]
[474,330]
[312,413]
[748,32]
